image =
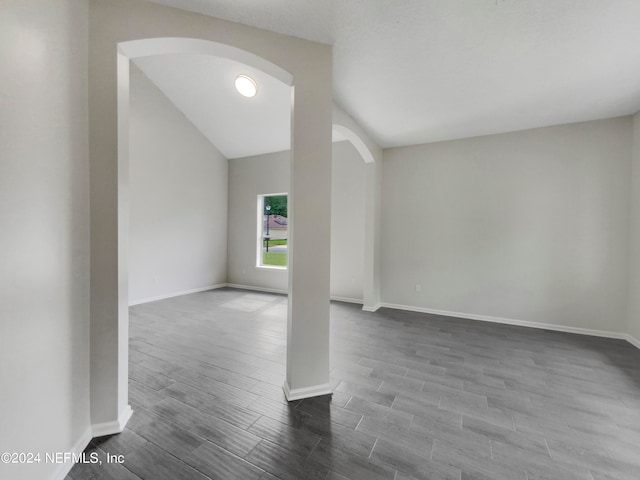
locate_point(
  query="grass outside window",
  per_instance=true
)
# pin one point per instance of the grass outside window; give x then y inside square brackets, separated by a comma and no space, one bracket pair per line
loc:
[276,259]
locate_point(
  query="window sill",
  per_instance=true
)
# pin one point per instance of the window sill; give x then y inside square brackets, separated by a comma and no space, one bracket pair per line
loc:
[270,267]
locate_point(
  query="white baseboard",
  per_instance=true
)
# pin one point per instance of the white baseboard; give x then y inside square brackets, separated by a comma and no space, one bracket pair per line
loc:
[307,392]
[509,321]
[238,286]
[285,292]
[97,430]
[176,294]
[375,308]
[256,289]
[471,316]
[63,469]
[346,300]
[633,341]
[116,426]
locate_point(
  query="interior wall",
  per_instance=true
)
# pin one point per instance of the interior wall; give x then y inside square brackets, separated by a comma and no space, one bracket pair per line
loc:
[634,258]
[269,173]
[347,222]
[44,220]
[528,226]
[307,65]
[372,156]
[178,199]
[248,178]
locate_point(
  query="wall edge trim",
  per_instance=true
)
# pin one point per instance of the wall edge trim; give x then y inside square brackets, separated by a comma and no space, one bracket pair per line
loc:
[374,308]
[307,392]
[177,294]
[256,289]
[63,469]
[633,340]
[116,426]
[509,321]
[285,292]
[347,299]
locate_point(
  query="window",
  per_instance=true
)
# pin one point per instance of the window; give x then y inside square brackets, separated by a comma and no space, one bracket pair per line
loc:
[273,231]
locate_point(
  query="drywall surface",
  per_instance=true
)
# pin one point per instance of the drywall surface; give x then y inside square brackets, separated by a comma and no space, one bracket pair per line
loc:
[634,244]
[529,226]
[44,220]
[309,64]
[178,199]
[347,222]
[248,178]
[269,173]
[371,154]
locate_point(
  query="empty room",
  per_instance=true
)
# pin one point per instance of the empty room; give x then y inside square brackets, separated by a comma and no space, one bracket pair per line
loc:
[320,240]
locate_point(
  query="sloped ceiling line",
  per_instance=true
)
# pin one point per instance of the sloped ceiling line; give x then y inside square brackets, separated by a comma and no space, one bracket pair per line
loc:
[419,71]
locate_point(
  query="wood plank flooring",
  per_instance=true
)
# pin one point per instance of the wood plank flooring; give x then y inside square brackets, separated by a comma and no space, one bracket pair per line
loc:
[417,396]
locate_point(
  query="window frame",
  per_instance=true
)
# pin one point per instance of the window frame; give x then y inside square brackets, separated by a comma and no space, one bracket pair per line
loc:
[260,232]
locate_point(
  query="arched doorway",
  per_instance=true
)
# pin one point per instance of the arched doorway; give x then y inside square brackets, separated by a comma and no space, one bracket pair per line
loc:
[114,25]
[345,127]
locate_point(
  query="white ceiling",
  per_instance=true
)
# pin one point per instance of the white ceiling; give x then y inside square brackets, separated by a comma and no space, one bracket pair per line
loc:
[201,86]
[417,71]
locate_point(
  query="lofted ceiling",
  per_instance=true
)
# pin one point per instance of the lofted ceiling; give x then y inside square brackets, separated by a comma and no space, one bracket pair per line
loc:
[418,71]
[202,87]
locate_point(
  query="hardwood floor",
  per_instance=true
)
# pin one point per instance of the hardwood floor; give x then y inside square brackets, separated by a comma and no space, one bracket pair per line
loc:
[417,396]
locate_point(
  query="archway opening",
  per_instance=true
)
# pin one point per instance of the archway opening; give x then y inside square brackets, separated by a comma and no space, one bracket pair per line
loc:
[353,235]
[147,55]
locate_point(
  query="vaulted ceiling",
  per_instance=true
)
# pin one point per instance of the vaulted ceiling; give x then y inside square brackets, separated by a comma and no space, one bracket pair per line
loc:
[202,87]
[418,71]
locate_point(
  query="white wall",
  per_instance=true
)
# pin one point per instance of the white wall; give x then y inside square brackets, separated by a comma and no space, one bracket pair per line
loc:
[372,155]
[529,226]
[152,27]
[269,173]
[178,199]
[634,258]
[347,222]
[44,220]
[248,178]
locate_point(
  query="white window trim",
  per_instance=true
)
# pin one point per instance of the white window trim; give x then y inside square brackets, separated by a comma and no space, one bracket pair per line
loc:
[259,231]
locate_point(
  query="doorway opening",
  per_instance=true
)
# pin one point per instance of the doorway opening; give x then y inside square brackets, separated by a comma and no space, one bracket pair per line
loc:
[181,118]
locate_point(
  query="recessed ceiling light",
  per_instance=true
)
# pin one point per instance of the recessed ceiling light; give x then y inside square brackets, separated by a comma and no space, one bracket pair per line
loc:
[246,86]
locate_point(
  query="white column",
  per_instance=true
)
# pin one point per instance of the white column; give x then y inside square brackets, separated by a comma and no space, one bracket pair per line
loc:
[110,410]
[372,156]
[371,290]
[310,238]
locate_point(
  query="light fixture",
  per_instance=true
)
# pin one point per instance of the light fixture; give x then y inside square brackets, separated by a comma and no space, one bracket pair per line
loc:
[246,86]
